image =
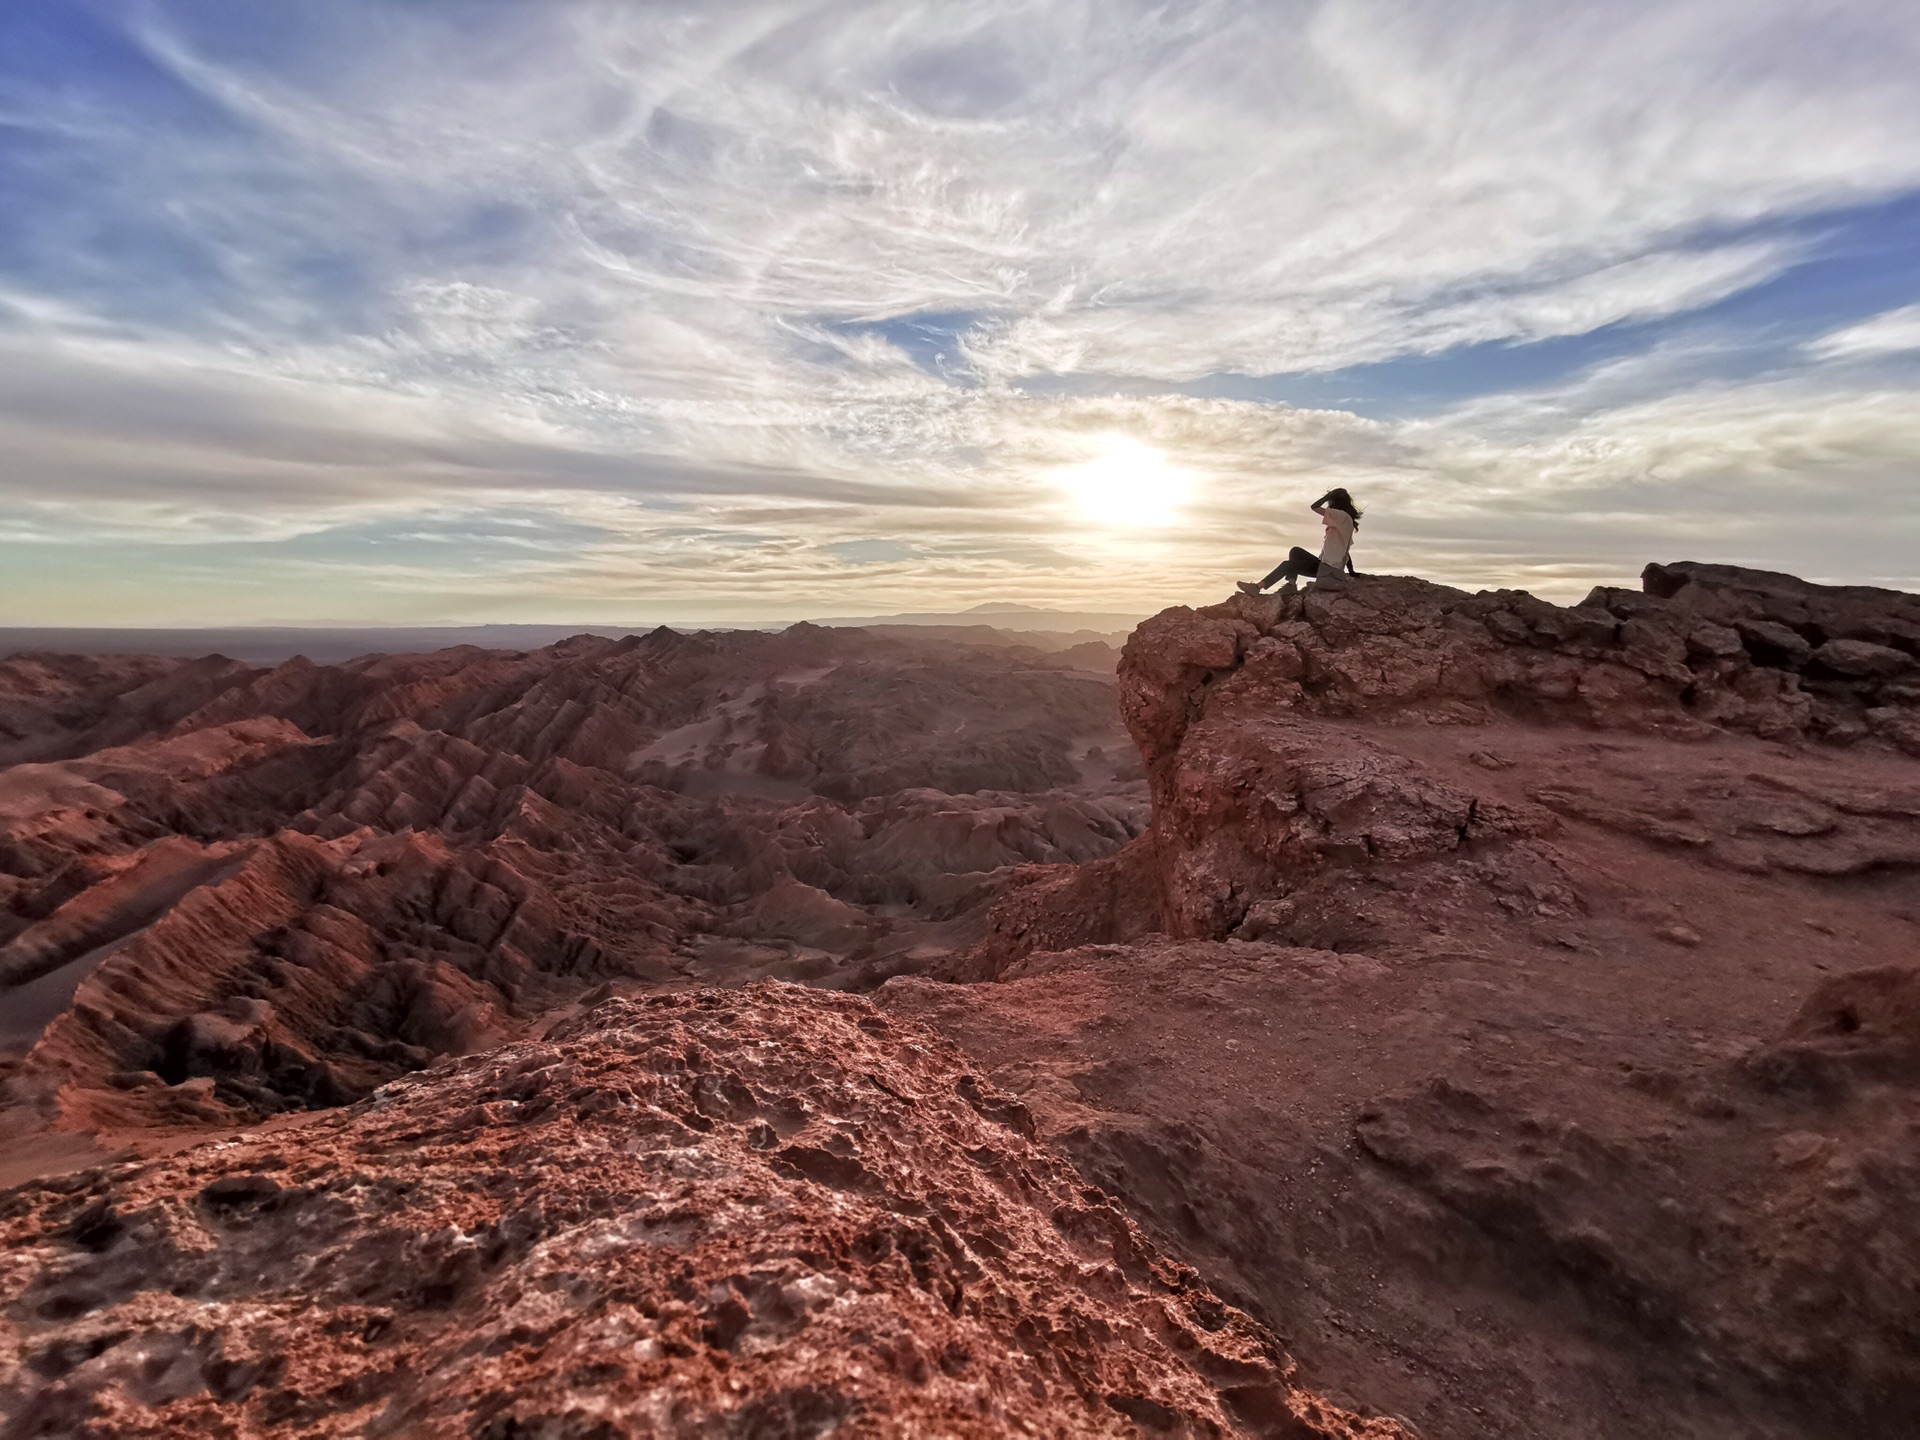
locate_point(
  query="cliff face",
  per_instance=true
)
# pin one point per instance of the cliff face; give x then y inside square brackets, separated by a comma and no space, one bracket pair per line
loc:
[762,1212]
[1275,733]
[1510,1003]
[1249,794]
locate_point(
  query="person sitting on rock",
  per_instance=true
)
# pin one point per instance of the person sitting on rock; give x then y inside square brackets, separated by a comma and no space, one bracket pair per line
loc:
[1341,517]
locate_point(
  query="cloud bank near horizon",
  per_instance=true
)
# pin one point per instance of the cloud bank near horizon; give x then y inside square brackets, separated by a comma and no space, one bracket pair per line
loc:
[369,311]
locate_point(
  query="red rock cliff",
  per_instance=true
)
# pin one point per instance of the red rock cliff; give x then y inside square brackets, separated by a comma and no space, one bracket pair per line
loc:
[1511,1004]
[1254,801]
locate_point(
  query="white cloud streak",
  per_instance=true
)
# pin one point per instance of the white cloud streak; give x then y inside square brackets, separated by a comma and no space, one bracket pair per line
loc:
[1897,332]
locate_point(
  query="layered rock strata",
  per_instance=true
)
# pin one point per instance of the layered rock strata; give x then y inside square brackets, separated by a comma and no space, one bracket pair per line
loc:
[228,892]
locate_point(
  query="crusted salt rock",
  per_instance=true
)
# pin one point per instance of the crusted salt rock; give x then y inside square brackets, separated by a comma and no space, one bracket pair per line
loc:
[763,1212]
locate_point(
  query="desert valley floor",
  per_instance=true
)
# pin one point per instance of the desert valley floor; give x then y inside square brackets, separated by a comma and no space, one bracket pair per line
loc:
[1371,1012]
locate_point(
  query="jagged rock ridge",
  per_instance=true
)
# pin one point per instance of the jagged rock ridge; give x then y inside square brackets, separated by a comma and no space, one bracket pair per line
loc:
[1505,1005]
[765,1212]
[227,892]
[1251,800]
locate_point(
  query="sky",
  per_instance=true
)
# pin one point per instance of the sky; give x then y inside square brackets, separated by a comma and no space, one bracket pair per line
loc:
[444,311]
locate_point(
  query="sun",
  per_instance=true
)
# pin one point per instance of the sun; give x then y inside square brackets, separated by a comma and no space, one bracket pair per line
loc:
[1128,484]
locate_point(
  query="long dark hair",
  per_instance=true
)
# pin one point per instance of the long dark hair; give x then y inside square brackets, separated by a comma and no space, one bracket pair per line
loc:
[1340,500]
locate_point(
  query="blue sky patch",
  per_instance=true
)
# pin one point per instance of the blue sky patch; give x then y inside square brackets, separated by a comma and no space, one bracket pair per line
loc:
[931,338]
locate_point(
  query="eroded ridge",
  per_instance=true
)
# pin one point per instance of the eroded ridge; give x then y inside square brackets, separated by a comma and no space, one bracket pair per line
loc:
[1700,646]
[768,1211]
[1233,707]
[229,892]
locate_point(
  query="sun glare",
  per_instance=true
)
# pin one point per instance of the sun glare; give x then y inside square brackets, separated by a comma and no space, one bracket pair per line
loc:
[1128,484]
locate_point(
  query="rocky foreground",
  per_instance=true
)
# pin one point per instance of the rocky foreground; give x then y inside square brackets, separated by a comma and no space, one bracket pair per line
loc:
[770,1211]
[1510,1012]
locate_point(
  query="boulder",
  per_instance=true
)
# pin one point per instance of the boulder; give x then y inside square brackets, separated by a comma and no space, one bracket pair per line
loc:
[1862,659]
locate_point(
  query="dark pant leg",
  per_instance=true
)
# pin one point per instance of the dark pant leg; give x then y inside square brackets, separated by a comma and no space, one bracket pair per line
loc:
[1298,562]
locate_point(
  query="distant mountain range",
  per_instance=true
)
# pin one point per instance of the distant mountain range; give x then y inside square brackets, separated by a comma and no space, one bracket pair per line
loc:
[1005,617]
[331,644]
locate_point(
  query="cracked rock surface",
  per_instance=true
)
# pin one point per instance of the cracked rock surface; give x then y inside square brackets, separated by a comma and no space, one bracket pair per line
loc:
[769,1211]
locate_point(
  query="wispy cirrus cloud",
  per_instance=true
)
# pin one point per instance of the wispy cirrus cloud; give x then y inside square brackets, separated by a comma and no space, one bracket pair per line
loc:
[833,291]
[1896,332]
